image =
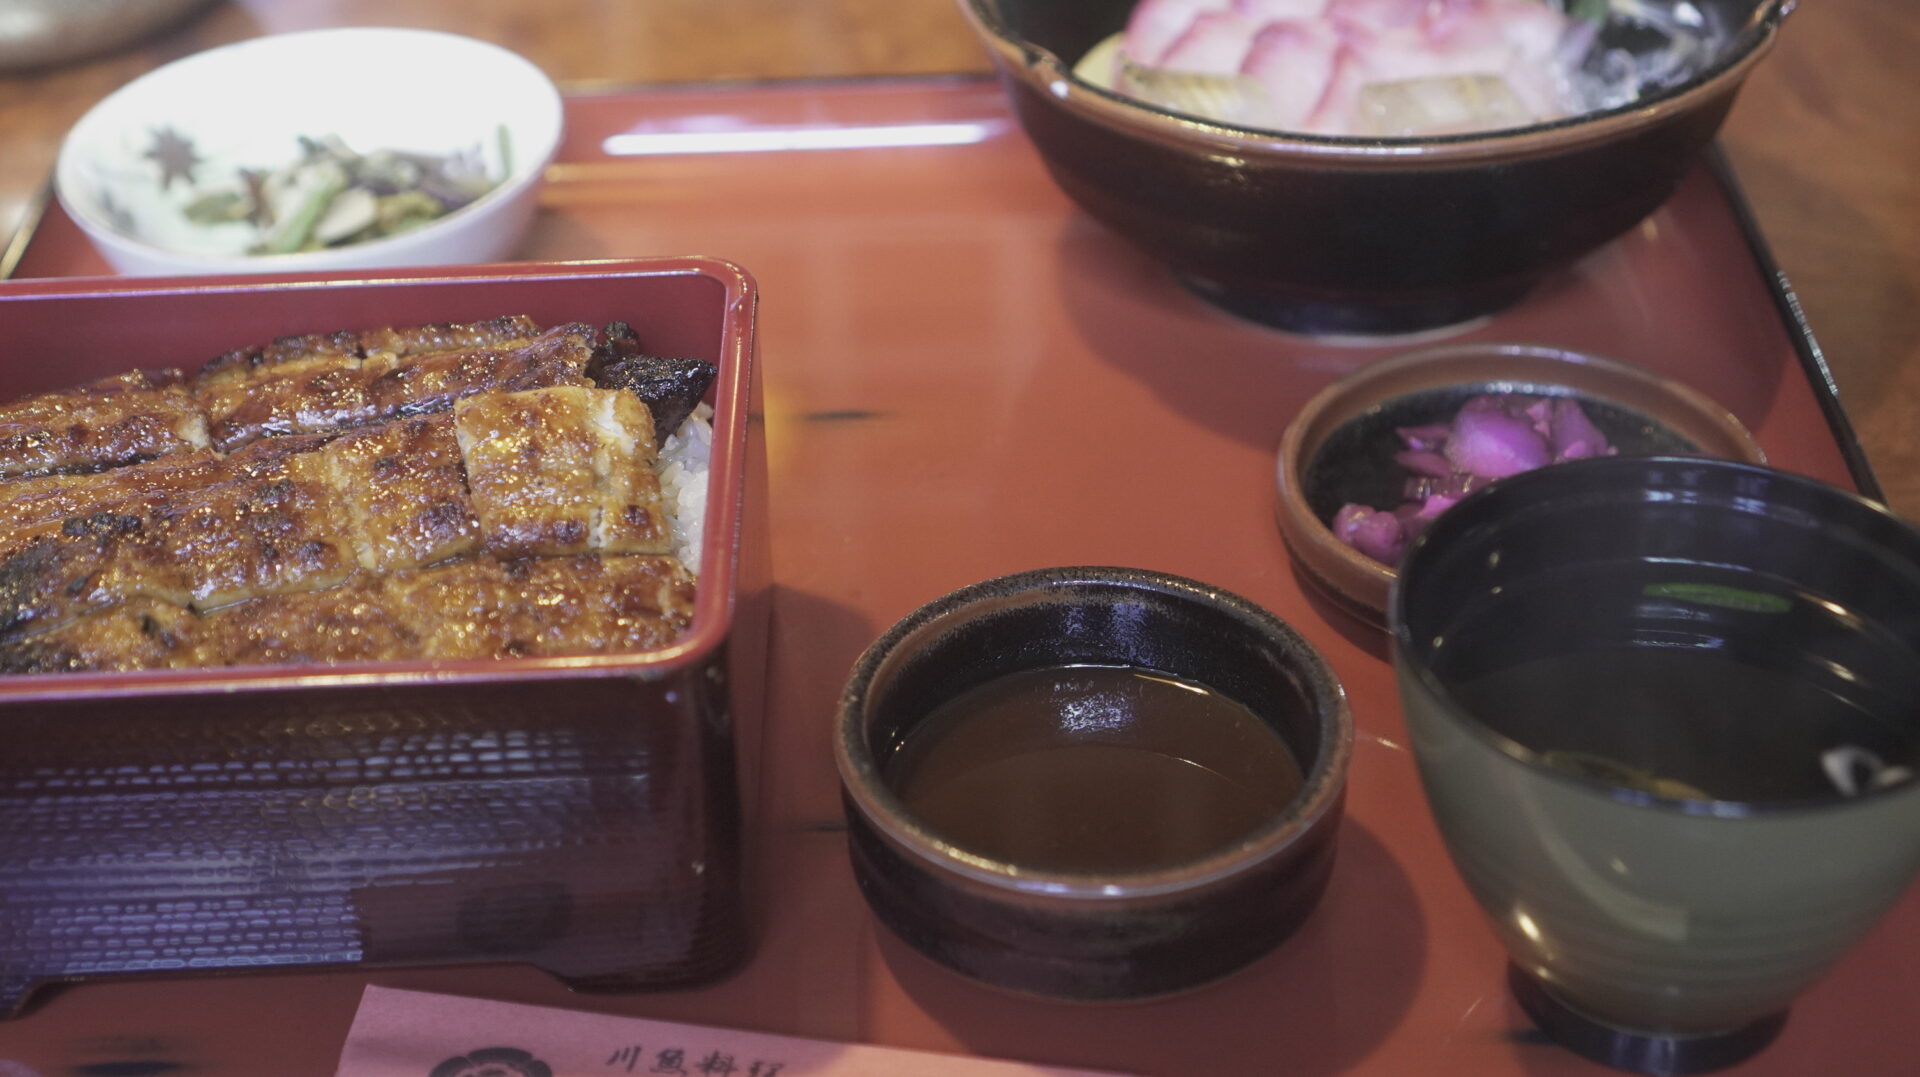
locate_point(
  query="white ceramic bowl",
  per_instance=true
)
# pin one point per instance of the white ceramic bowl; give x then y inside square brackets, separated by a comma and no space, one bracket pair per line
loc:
[247,104]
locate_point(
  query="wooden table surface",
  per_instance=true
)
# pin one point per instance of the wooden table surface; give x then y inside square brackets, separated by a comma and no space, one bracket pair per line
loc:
[1820,139]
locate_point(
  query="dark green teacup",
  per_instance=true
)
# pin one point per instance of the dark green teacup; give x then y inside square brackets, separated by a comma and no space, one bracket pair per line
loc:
[1667,716]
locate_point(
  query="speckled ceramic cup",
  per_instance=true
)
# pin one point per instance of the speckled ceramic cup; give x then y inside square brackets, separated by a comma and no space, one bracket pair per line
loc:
[1106,936]
[1635,689]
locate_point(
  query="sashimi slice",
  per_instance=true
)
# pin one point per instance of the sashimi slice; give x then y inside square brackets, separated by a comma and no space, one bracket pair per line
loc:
[1156,24]
[1269,10]
[1380,14]
[1214,44]
[1467,62]
[1295,60]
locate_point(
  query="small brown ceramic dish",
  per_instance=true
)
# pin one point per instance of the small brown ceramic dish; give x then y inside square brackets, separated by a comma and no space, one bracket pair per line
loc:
[1339,448]
[1084,935]
[1325,234]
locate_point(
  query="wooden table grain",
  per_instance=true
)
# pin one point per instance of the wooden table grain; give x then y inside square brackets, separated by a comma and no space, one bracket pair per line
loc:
[1821,137]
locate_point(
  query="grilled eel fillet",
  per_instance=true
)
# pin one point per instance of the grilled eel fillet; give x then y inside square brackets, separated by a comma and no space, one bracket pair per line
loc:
[556,472]
[113,421]
[304,385]
[441,491]
[476,607]
[296,385]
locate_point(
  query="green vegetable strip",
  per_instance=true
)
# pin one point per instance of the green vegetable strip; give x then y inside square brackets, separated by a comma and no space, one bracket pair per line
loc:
[300,224]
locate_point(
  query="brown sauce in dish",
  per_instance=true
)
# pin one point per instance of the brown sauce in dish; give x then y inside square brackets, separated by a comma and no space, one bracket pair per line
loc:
[1093,769]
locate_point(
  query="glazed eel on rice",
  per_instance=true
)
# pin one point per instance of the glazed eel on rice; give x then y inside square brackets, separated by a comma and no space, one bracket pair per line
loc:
[447,491]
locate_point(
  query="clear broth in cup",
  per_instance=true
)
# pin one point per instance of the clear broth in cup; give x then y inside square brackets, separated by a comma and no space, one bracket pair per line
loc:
[1093,769]
[1688,681]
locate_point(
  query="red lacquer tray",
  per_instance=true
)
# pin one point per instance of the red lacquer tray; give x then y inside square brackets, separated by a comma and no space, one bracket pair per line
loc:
[965,377]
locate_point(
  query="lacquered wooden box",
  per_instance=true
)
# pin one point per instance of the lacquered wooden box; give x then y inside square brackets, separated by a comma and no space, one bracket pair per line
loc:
[579,814]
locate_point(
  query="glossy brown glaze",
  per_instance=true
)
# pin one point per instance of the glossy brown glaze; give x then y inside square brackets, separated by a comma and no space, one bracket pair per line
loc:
[339,381]
[240,527]
[37,506]
[530,466]
[424,381]
[247,363]
[469,608]
[404,488]
[107,423]
[408,340]
[545,472]
[562,471]
[269,527]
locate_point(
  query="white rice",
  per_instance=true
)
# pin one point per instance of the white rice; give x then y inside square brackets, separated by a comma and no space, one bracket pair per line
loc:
[682,467]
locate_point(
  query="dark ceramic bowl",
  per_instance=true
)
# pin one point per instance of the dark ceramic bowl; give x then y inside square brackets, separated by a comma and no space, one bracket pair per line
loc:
[1339,447]
[1092,936]
[1349,235]
[1667,716]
